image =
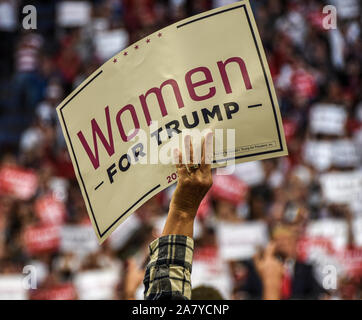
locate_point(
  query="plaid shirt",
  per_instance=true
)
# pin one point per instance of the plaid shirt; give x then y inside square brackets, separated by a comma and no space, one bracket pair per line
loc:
[168,274]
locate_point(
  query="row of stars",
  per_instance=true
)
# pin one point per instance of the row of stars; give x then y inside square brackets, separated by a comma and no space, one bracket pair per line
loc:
[136,47]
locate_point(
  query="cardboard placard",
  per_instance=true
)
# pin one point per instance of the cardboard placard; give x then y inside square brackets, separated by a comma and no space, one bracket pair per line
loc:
[39,239]
[327,119]
[340,153]
[318,154]
[357,231]
[252,173]
[342,187]
[18,182]
[73,13]
[240,241]
[121,235]
[321,252]
[108,43]
[12,287]
[50,210]
[209,269]
[64,291]
[335,230]
[229,188]
[78,239]
[97,284]
[345,154]
[208,72]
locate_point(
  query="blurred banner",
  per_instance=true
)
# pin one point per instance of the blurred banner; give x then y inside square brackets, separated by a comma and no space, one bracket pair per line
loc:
[121,124]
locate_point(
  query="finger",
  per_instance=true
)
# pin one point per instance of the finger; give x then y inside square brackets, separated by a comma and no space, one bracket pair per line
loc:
[191,152]
[203,150]
[176,157]
[181,165]
[207,151]
[270,250]
[181,168]
[187,156]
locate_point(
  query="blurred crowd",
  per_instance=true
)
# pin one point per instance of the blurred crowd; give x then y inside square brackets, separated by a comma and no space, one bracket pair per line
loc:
[308,205]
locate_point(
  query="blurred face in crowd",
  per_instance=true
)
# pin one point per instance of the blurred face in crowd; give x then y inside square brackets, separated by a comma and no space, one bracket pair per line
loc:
[296,190]
[6,204]
[225,210]
[257,207]
[285,239]
[259,201]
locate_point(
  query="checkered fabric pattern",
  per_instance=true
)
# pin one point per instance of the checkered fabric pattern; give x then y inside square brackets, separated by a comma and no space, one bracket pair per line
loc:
[168,274]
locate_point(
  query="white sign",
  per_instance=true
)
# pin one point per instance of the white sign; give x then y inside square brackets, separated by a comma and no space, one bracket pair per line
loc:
[78,239]
[318,154]
[108,43]
[336,230]
[327,119]
[208,269]
[342,187]
[208,72]
[122,234]
[357,231]
[252,173]
[11,287]
[347,9]
[97,284]
[240,241]
[344,154]
[73,13]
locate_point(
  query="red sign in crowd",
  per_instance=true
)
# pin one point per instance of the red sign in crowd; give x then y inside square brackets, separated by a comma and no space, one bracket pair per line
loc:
[18,182]
[50,210]
[41,239]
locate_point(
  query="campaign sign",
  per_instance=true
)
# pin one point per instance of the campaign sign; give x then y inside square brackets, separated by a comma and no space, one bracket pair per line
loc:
[341,187]
[240,241]
[17,181]
[121,124]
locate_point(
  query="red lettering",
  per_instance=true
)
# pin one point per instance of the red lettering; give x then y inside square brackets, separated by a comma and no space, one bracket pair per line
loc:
[224,76]
[191,86]
[96,131]
[161,101]
[136,123]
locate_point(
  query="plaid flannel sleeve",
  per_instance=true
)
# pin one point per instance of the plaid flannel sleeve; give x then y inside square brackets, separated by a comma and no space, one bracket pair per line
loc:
[168,274]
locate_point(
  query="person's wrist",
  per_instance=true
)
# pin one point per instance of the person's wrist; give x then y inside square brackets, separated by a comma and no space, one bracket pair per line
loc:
[184,214]
[179,221]
[271,282]
[184,208]
[271,288]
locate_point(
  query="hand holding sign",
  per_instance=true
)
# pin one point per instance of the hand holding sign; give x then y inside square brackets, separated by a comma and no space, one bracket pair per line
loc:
[206,72]
[194,181]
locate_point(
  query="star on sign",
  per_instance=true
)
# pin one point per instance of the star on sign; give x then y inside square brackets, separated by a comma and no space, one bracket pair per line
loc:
[148,40]
[115,60]
[136,47]
[159,35]
[126,53]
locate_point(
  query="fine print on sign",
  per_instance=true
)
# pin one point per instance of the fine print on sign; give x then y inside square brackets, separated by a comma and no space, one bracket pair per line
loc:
[121,124]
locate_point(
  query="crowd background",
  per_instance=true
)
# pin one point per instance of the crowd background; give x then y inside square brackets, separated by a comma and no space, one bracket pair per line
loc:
[309,203]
